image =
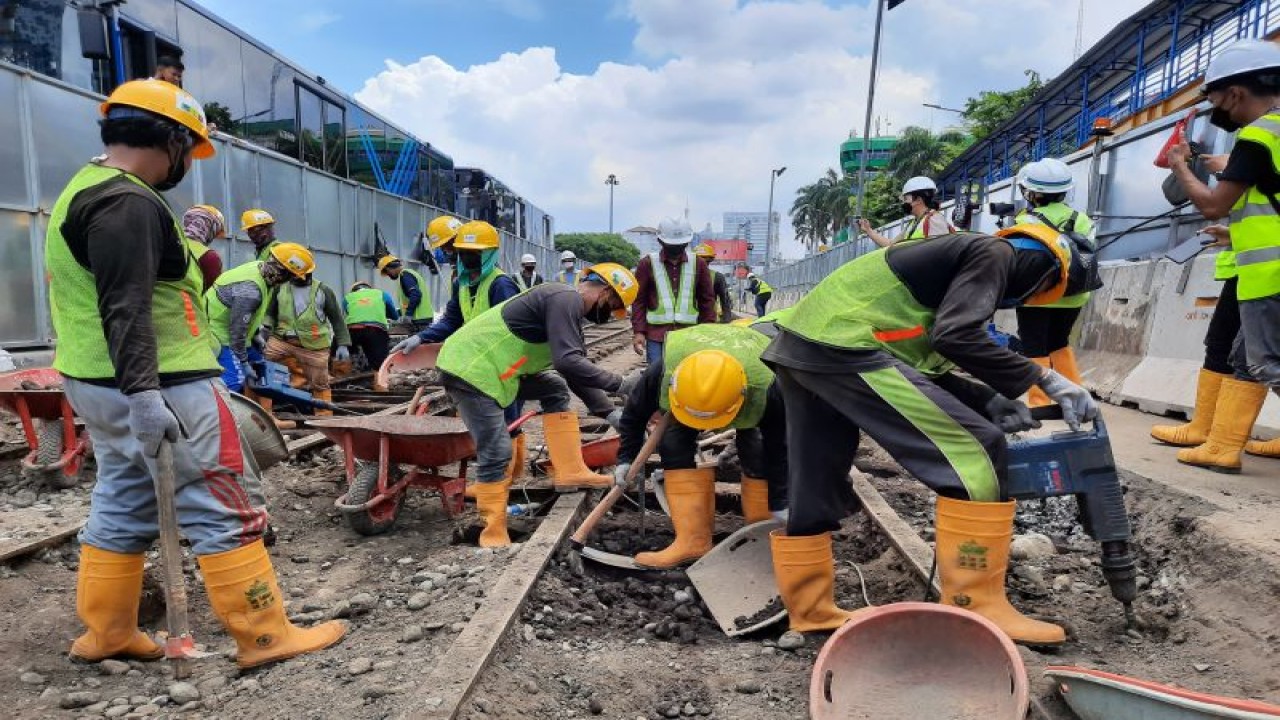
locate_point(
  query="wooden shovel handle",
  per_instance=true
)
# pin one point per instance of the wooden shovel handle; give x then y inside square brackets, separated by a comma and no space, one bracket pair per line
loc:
[584,531]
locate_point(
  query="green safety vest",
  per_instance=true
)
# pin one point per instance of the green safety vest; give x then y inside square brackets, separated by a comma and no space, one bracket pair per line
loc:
[764,287]
[220,314]
[1058,214]
[490,358]
[674,309]
[474,306]
[864,306]
[265,253]
[1224,265]
[177,315]
[568,278]
[1255,226]
[311,327]
[366,307]
[425,310]
[742,344]
[917,228]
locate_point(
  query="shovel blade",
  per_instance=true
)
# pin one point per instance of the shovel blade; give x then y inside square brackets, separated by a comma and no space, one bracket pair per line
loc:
[736,580]
[626,562]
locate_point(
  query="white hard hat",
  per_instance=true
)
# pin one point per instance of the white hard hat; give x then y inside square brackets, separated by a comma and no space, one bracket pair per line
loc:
[567,255]
[918,183]
[528,259]
[1050,176]
[1243,58]
[675,231]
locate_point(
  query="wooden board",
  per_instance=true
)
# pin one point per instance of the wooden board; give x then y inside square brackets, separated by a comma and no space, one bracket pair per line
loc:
[901,535]
[27,530]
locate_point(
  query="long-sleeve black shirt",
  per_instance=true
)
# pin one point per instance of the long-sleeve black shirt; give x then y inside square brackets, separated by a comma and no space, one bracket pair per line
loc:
[552,313]
[721,287]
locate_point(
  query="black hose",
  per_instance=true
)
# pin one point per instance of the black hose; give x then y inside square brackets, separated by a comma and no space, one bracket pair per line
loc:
[1140,224]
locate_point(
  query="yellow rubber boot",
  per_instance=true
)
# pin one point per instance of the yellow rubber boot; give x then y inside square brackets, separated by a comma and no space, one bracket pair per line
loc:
[1064,361]
[564,445]
[1263,448]
[323,396]
[1036,396]
[1239,402]
[247,599]
[491,501]
[755,500]
[805,570]
[973,556]
[692,496]
[1197,431]
[108,589]
[515,467]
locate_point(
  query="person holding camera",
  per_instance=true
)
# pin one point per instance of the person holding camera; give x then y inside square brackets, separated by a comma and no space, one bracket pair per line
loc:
[920,201]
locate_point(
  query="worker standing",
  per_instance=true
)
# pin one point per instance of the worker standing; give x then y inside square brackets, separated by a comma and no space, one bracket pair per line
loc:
[203,224]
[870,349]
[306,321]
[724,302]
[919,202]
[1045,330]
[260,227]
[709,377]
[369,313]
[238,301]
[528,276]
[675,290]
[138,367]
[498,357]
[412,290]
[763,292]
[568,274]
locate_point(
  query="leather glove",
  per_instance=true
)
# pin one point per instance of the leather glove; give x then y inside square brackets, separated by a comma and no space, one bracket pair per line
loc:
[1010,415]
[342,354]
[250,375]
[151,421]
[620,474]
[407,345]
[630,382]
[1078,406]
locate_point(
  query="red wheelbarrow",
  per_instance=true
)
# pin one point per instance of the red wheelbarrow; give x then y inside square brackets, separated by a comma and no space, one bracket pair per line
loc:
[57,446]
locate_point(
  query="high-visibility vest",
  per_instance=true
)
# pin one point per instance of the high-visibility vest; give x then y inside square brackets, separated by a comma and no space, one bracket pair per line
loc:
[916,230]
[424,310]
[526,284]
[1255,223]
[366,306]
[178,318]
[742,344]
[673,308]
[1224,265]
[1059,215]
[473,305]
[486,355]
[568,277]
[220,314]
[763,288]
[265,253]
[311,327]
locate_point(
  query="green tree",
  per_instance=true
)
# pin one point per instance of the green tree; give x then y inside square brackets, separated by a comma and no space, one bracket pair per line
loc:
[599,247]
[821,209]
[991,109]
[882,202]
[220,115]
[920,152]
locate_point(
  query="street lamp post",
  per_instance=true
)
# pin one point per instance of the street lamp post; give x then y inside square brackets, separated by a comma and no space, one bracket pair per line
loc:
[612,182]
[768,230]
[936,106]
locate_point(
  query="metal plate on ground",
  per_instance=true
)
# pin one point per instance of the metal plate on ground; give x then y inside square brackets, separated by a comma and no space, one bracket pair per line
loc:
[736,580]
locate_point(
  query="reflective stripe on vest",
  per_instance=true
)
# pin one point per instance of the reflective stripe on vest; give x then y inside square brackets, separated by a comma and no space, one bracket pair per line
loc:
[183,343]
[764,288]
[567,277]
[1224,265]
[742,344]
[1255,226]
[311,327]
[424,311]
[220,314]
[474,305]
[366,307]
[673,310]
[486,355]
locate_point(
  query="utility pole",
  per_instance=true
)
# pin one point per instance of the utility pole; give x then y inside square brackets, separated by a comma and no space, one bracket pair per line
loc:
[768,230]
[871,98]
[612,182]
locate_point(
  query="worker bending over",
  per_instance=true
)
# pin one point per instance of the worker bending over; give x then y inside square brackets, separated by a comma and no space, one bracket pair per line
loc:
[920,203]
[871,348]
[369,312]
[260,227]
[139,369]
[499,357]
[411,289]
[724,303]
[675,290]
[709,377]
[306,321]
[528,276]
[202,224]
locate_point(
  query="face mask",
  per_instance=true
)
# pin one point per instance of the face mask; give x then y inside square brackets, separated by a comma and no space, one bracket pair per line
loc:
[529,269]
[1222,119]
[906,208]
[299,282]
[177,164]
[600,313]
[567,264]
[470,260]
[675,249]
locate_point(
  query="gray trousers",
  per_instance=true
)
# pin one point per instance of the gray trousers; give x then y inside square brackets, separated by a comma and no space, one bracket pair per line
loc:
[486,421]
[218,492]
[1256,353]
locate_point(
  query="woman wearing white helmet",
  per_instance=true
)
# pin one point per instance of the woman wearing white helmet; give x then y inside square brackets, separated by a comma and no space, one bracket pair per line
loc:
[528,276]
[920,201]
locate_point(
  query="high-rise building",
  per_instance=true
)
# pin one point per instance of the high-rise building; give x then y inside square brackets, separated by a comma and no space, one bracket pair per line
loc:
[880,152]
[754,228]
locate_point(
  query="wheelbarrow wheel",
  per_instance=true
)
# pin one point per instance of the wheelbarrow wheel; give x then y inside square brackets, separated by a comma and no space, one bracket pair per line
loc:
[48,452]
[381,517]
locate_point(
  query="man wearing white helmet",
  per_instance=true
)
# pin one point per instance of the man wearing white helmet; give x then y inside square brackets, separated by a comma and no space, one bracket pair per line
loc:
[528,276]
[676,290]
[1045,330]
[568,268]
[920,201]
[1243,86]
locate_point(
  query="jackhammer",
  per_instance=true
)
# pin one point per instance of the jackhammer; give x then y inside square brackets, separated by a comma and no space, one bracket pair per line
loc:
[273,384]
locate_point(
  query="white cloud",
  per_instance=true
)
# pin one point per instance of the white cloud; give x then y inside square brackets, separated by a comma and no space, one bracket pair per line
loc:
[737,88]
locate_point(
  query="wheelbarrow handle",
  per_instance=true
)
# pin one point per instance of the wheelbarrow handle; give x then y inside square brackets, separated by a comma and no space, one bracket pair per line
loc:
[584,531]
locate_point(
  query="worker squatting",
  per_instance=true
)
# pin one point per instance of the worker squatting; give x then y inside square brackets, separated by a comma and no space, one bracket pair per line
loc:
[152,336]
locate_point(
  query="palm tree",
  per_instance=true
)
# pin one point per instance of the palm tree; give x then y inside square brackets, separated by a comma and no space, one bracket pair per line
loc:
[920,152]
[821,209]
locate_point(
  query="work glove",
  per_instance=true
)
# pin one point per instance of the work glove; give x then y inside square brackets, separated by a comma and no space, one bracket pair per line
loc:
[1010,415]
[407,345]
[250,375]
[620,474]
[630,382]
[151,421]
[1078,406]
[342,354]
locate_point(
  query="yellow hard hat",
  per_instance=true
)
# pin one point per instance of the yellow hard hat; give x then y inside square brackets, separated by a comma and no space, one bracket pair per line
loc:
[743,322]
[1055,243]
[442,230]
[705,251]
[386,260]
[707,389]
[476,235]
[294,257]
[169,101]
[217,215]
[620,279]
[250,219]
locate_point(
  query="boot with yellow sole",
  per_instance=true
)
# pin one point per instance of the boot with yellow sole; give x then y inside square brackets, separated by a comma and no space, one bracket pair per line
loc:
[1264,448]
[515,467]
[691,495]
[755,500]
[804,568]
[1197,431]
[1239,402]
[564,445]
[108,590]
[325,396]
[491,502]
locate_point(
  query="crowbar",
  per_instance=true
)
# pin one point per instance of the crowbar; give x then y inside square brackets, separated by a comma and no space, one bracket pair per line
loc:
[179,647]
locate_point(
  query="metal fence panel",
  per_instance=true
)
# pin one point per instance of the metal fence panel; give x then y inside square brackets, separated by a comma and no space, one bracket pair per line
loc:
[18,301]
[13,156]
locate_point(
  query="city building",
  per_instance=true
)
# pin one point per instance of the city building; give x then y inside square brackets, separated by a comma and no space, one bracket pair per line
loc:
[754,228]
[881,152]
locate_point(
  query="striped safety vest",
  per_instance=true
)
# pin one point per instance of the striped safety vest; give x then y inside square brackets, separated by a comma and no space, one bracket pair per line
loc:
[673,308]
[1255,221]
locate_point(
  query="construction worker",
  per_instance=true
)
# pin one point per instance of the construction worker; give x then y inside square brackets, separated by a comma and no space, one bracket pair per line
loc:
[709,377]
[138,367]
[169,69]
[412,290]
[440,234]
[499,357]
[724,303]
[763,292]
[1045,330]
[528,276]
[1242,84]
[260,227]
[920,202]
[238,301]
[870,349]
[203,224]
[369,313]
[568,274]
[675,290]
[306,321]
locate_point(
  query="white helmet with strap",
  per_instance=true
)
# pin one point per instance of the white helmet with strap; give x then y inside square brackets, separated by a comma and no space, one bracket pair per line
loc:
[919,183]
[1245,57]
[1049,176]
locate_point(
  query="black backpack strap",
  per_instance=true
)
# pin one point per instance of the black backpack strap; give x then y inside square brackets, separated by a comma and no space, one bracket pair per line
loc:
[1052,224]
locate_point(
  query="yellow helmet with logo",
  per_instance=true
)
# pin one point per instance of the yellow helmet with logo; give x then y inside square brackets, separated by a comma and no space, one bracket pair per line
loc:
[1057,244]
[166,100]
[442,229]
[294,257]
[705,251]
[250,219]
[707,389]
[386,260]
[476,235]
[620,279]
